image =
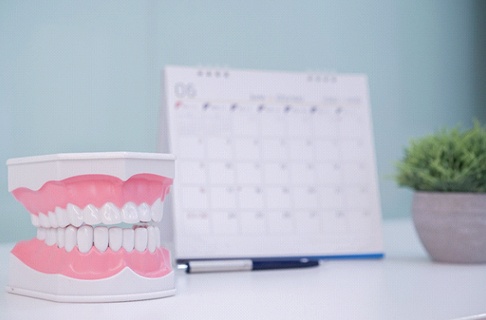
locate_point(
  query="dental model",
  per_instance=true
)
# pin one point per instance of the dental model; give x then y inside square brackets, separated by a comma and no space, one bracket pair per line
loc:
[96,216]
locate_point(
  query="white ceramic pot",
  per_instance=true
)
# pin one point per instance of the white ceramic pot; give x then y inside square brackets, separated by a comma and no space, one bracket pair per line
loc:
[451,226]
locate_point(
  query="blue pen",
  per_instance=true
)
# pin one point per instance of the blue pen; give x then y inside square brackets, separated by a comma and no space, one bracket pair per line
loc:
[201,266]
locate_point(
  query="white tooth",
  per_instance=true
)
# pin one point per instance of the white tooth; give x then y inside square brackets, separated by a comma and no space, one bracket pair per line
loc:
[51,236]
[52,219]
[35,220]
[144,212]
[75,215]
[157,210]
[115,238]
[61,241]
[128,239]
[110,214]
[91,215]
[41,233]
[62,217]
[101,238]
[85,238]
[70,238]
[157,237]
[151,241]
[44,220]
[129,213]
[141,239]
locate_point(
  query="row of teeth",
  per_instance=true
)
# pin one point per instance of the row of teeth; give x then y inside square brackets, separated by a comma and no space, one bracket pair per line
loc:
[108,214]
[140,238]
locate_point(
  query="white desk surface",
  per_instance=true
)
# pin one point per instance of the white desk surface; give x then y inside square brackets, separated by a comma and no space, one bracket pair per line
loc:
[404,285]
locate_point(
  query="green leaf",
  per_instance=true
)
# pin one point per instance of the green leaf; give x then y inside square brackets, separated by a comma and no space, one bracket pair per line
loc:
[451,160]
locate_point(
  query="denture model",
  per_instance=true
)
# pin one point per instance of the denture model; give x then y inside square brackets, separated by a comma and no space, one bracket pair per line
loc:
[96,216]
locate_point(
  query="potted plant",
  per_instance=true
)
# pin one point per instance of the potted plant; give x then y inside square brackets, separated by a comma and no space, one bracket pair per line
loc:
[447,171]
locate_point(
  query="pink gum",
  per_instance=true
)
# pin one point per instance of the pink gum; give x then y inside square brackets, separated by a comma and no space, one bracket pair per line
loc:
[93,264]
[94,189]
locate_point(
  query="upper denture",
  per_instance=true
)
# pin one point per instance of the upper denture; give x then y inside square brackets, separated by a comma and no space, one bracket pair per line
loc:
[95,190]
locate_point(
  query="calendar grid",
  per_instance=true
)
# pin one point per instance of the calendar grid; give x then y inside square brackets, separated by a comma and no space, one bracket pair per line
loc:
[283,176]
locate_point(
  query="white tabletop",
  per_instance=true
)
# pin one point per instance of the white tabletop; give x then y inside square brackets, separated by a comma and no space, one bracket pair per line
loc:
[404,285]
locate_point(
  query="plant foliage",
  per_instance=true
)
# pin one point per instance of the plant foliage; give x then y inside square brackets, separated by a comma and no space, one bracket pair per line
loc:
[451,160]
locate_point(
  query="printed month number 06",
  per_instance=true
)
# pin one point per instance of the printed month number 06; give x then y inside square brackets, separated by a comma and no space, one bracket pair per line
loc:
[185,90]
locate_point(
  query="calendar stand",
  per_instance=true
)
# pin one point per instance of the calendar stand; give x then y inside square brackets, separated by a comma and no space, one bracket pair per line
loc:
[272,164]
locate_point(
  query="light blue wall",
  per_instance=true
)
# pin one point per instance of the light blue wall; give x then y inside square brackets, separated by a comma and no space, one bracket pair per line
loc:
[85,75]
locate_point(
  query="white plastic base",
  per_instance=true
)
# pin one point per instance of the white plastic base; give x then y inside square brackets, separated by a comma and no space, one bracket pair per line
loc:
[125,286]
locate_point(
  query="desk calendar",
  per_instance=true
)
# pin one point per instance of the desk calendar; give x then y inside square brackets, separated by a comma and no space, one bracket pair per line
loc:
[271,164]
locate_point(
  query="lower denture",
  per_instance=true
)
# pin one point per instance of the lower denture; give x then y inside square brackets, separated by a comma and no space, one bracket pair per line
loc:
[93,264]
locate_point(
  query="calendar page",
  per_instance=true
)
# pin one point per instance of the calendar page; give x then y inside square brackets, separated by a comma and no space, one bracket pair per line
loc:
[272,164]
